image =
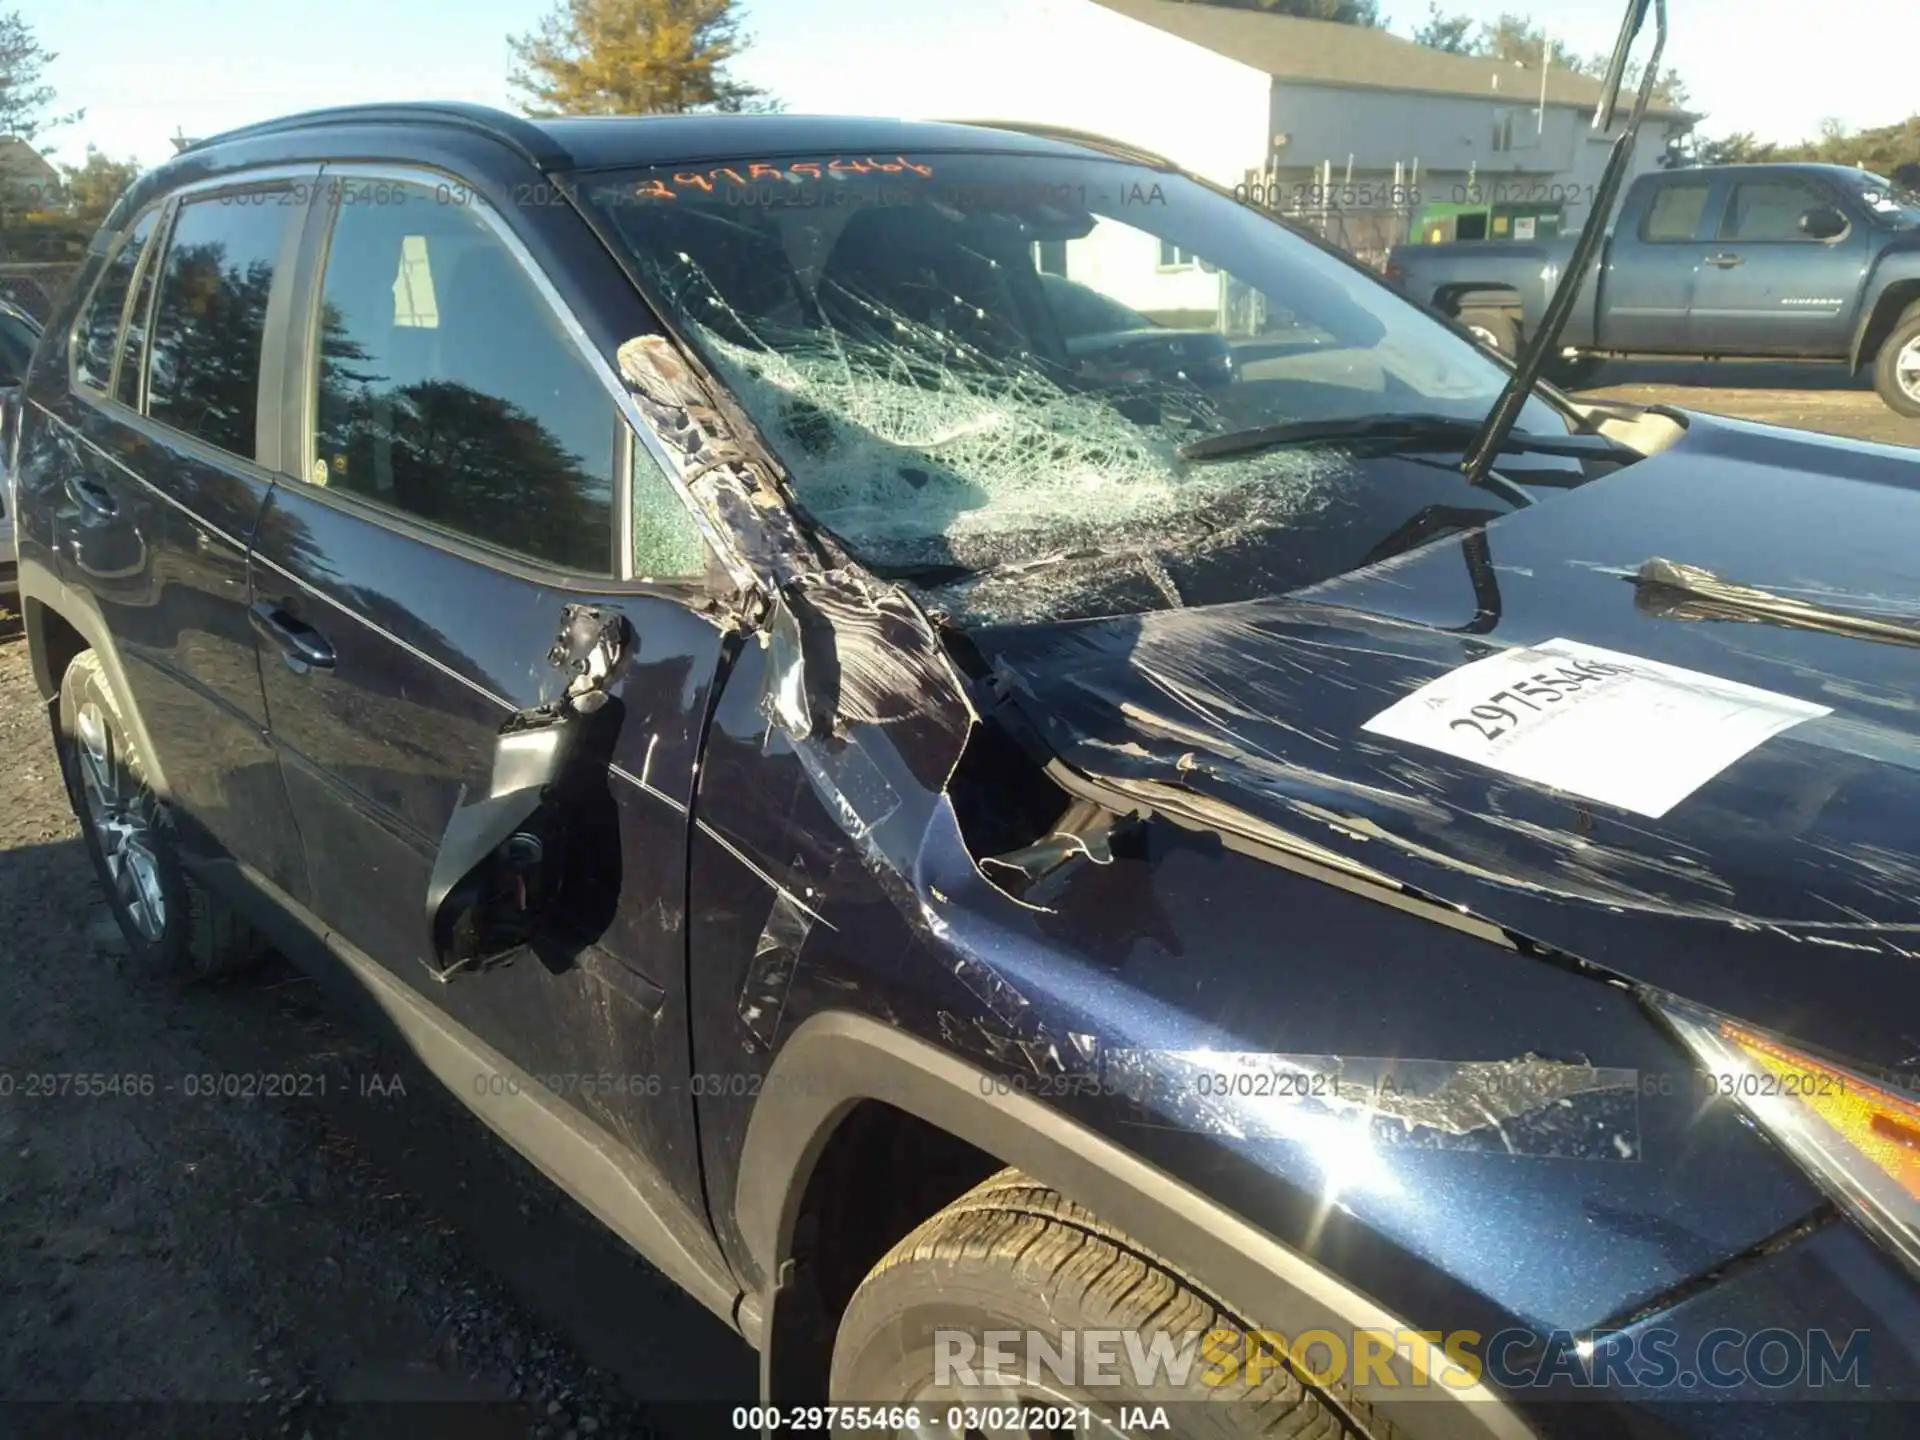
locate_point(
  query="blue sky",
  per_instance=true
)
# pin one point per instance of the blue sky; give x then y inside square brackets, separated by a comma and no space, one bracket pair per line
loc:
[142,68]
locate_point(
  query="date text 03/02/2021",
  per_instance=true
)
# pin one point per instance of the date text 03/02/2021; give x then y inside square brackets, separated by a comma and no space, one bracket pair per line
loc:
[960,1418]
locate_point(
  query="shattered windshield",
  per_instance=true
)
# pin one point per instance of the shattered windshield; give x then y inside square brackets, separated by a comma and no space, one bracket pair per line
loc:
[981,371]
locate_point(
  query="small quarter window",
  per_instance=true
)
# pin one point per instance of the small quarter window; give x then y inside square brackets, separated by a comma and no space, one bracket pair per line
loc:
[99,333]
[667,545]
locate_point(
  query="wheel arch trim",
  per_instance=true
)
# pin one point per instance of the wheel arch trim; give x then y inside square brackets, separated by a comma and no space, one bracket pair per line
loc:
[1890,296]
[836,1060]
[42,594]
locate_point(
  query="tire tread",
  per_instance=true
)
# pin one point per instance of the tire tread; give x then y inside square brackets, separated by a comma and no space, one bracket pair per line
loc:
[1054,1244]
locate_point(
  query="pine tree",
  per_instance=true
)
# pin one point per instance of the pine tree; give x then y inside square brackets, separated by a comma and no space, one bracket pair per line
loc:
[23,98]
[634,57]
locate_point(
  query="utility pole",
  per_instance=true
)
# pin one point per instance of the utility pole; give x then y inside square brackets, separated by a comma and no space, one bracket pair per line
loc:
[1546,59]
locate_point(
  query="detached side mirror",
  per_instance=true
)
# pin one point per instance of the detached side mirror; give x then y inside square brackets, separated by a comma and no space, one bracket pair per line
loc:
[500,865]
[1822,222]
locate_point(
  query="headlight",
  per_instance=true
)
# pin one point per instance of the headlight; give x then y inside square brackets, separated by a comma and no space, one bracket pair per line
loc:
[1859,1137]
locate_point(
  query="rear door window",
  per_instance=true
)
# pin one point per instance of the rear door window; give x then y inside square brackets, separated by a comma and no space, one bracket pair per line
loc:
[210,317]
[448,389]
[98,335]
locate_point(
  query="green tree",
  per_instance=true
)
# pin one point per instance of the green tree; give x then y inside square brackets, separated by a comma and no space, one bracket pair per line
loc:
[1882,149]
[26,186]
[95,183]
[24,99]
[634,57]
[1452,33]
[1342,12]
[1516,38]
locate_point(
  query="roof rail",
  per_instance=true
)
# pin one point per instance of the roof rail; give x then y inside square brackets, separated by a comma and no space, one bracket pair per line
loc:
[529,140]
[1119,149]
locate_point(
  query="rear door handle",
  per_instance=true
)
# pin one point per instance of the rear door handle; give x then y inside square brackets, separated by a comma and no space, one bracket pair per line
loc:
[1725,261]
[303,647]
[91,495]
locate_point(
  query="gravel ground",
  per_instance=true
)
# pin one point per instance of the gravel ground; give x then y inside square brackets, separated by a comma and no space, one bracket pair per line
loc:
[1810,397]
[327,1264]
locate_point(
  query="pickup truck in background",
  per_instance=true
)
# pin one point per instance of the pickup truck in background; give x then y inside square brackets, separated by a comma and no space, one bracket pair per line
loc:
[1802,262]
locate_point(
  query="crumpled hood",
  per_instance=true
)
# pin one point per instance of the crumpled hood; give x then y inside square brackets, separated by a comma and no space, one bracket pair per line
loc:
[1784,889]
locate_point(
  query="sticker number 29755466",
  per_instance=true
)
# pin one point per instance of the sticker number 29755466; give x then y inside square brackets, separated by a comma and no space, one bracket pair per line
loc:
[1504,712]
[1621,729]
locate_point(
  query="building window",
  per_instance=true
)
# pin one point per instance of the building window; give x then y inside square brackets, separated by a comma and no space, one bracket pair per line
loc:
[1050,257]
[1172,257]
[1517,129]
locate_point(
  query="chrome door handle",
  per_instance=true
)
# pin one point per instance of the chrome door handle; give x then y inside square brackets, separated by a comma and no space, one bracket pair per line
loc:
[303,647]
[91,495]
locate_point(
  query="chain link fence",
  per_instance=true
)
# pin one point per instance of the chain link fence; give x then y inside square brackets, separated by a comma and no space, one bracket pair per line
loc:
[35,285]
[1364,233]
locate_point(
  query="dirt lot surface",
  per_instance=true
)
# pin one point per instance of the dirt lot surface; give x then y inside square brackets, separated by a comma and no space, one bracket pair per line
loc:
[1812,397]
[210,1265]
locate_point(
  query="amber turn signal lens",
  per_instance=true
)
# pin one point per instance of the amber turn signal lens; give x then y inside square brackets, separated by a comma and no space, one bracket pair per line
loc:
[1855,1134]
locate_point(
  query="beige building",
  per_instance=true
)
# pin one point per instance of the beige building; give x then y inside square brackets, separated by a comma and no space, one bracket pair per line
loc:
[28,180]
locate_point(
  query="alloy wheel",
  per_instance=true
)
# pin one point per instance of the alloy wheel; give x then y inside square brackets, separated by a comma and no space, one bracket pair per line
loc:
[124,814]
[1906,369]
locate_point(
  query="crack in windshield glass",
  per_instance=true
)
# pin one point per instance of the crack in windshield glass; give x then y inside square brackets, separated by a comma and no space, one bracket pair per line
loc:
[988,399]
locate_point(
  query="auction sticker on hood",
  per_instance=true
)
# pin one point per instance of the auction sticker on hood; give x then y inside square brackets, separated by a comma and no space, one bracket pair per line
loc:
[1595,723]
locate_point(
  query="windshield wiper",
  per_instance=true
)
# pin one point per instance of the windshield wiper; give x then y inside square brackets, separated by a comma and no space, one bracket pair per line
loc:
[1408,430]
[1532,360]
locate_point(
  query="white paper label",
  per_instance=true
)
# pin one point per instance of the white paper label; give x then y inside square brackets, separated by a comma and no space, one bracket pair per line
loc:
[1595,723]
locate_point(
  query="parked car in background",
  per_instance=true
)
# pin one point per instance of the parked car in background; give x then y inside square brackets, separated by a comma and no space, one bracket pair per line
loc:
[1801,262]
[927,841]
[19,334]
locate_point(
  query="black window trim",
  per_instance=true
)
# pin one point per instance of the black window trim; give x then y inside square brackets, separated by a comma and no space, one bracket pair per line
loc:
[120,242]
[298,406]
[156,246]
[267,420]
[1678,183]
[1776,177]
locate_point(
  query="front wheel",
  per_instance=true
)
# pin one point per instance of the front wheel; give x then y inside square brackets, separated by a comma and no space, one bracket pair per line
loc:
[1015,1311]
[1896,373]
[1571,370]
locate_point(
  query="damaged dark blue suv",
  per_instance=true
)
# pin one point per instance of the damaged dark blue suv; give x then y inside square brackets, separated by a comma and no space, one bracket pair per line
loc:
[1056,878]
